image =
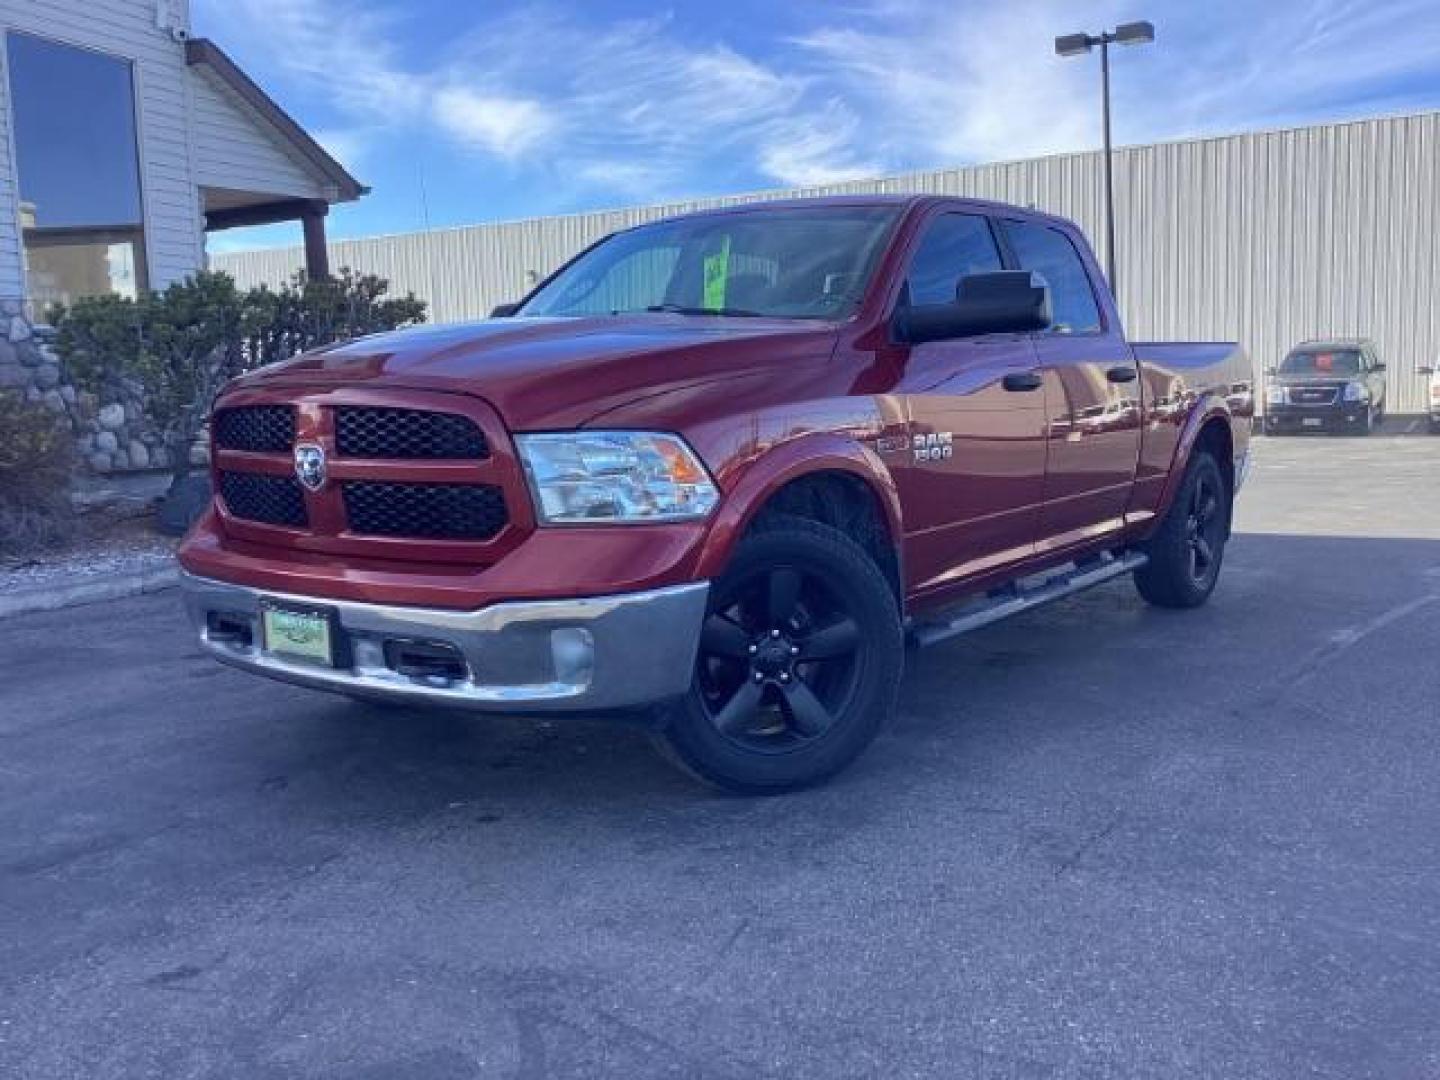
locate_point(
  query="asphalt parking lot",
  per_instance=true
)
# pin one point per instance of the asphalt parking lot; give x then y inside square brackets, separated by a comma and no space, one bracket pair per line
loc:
[1100,840]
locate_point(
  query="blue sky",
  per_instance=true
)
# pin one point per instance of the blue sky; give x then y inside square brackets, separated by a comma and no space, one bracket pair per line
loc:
[461,111]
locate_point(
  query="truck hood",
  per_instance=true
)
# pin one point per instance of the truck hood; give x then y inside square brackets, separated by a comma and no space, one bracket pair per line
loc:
[557,373]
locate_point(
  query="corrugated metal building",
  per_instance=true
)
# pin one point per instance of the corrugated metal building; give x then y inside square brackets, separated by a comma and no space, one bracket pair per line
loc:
[1268,238]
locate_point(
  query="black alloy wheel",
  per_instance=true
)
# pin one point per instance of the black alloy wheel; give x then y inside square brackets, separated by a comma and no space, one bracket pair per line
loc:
[1205,526]
[779,658]
[798,664]
[1186,551]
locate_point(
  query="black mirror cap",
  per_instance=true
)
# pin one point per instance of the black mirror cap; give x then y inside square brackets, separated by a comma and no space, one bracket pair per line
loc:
[1002,302]
[1425,371]
[503,311]
[1380,367]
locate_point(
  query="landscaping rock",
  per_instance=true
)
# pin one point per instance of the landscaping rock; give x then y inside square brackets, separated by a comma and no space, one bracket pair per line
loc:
[112,417]
[47,376]
[199,454]
[19,328]
[139,454]
[8,353]
[100,462]
[68,393]
[30,354]
[106,442]
[120,459]
[13,376]
[53,401]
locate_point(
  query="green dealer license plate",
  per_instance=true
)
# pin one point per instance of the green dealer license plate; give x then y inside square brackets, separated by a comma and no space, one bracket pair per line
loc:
[299,635]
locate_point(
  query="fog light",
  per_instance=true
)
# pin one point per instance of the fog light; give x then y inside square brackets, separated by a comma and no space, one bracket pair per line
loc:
[572,648]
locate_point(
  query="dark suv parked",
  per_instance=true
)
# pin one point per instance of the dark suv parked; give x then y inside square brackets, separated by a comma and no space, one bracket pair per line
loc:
[1335,385]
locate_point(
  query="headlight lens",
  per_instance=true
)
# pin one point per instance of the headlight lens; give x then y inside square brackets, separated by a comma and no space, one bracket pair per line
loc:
[618,477]
[1276,395]
[1357,391]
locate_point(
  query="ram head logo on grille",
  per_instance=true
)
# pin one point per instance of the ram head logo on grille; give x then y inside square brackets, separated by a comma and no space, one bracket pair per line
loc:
[310,465]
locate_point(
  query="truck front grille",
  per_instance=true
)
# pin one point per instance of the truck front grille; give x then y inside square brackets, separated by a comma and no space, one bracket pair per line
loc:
[371,432]
[269,500]
[255,429]
[432,511]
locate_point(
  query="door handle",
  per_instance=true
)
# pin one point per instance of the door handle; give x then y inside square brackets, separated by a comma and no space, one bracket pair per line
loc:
[1020,381]
[1121,373]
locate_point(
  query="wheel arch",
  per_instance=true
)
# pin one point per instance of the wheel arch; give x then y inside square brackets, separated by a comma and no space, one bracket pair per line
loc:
[820,477]
[1209,428]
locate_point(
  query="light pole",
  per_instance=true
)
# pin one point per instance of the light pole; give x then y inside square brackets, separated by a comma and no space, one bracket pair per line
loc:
[1135,33]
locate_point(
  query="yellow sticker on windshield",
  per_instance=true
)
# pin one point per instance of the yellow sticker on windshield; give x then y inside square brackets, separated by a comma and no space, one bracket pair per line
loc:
[717,273]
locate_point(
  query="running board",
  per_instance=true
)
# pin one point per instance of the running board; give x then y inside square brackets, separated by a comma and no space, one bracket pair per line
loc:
[1028,592]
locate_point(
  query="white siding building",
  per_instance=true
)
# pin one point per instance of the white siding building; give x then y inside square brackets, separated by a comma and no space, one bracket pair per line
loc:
[1268,238]
[123,141]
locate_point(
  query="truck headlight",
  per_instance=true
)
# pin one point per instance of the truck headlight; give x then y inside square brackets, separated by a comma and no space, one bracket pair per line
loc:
[1357,391]
[1276,395]
[615,477]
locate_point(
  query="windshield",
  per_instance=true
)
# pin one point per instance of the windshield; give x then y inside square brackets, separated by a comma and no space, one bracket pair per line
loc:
[782,263]
[1333,362]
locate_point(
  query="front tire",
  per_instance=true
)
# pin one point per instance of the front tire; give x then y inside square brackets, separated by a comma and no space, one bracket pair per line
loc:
[1187,550]
[799,663]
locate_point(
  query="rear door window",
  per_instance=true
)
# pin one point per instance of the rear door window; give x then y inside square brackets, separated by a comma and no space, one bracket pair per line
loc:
[1049,253]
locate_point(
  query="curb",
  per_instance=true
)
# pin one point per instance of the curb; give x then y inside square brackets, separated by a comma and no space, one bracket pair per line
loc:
[53,598]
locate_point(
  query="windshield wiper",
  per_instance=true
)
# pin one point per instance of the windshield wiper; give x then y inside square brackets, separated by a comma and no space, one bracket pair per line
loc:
[681,309]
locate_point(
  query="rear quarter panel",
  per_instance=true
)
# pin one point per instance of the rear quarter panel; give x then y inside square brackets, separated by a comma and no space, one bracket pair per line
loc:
[1185,385]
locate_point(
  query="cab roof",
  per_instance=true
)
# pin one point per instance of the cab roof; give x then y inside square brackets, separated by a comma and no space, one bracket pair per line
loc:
[900,201]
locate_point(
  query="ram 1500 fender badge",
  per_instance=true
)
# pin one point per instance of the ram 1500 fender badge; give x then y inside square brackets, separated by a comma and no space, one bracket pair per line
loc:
[310,465]
[891,444]
[937,446]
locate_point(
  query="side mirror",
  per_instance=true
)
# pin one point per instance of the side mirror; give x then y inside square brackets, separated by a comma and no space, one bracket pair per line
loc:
[1003,302]
[504,311]
[1379,367]
[1425,371]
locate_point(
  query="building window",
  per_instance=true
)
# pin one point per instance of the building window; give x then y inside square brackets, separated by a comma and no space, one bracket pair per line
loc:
[79,171]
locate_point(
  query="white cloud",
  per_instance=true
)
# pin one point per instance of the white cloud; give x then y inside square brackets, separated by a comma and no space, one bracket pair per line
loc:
[505,127]
[349,146]
[816,148]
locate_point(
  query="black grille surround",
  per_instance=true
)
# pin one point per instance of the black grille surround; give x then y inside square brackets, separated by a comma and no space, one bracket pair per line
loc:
[428,511]
[268,500]
[384,432]
[255,429]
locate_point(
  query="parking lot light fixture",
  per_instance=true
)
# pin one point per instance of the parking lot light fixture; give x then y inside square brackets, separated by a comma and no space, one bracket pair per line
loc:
[1131,33]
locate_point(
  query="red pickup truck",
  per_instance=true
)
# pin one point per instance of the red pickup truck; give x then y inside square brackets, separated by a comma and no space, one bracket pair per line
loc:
[724,464]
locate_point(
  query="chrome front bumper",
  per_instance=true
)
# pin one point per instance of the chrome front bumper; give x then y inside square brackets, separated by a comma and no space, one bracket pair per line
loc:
[592,653]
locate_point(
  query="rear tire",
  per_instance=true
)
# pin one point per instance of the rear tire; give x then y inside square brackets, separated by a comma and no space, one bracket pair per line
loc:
[799,663]
[1188,549]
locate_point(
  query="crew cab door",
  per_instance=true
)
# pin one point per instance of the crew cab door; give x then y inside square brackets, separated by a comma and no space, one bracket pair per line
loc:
[972,478]
[1092,393]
